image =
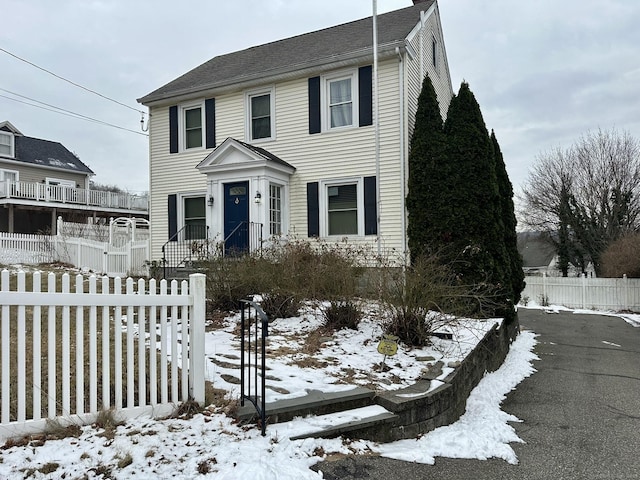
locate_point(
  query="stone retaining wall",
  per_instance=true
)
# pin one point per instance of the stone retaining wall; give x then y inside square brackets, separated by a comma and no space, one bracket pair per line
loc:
[420,413]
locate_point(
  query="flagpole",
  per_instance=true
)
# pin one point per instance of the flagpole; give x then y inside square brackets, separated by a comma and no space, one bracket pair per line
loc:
[376,122]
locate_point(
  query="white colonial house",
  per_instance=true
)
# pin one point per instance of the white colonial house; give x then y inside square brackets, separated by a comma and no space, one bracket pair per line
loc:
[279,139]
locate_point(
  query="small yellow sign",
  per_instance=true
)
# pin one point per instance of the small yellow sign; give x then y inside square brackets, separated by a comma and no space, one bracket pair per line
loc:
[388,346]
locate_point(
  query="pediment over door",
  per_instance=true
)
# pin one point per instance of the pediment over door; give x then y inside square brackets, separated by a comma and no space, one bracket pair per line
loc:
[233,155]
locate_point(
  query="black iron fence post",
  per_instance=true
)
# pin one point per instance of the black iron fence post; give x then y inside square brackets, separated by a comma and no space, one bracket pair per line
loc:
[261,323]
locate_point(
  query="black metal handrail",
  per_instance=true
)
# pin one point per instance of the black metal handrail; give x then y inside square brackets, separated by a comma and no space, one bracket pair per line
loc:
[261,323]
[191,241]
[254,237]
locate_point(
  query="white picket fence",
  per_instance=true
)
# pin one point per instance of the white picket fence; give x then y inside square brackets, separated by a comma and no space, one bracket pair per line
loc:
[614,294]
[68,352]
[99,257]
[102,257]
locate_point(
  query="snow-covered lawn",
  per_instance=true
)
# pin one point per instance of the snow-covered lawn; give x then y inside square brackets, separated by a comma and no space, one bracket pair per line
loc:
[300,359]
[212,445]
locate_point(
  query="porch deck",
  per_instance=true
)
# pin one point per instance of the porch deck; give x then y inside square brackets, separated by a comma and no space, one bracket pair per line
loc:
[61,194]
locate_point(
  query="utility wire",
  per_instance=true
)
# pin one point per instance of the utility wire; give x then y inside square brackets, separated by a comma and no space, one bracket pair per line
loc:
[62,111]
[69,81]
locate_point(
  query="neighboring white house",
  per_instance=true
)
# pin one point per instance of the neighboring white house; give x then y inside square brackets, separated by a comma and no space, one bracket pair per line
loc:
[539,256]
[41,180]
[280,137]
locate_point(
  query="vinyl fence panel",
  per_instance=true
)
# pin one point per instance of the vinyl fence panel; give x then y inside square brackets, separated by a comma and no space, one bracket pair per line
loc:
[613,294]
[140,352]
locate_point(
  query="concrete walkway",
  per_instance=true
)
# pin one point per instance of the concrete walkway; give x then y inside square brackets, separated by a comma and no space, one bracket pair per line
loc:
[580,411]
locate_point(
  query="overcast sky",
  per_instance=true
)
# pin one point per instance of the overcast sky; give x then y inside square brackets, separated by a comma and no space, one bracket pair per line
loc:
[543,71]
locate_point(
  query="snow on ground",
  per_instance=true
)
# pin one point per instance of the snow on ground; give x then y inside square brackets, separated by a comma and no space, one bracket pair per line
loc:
[632,319]
[334,363]
[211,445]
[483,430]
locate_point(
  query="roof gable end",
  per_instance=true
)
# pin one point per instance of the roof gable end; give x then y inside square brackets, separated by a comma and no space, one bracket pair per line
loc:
[234,154]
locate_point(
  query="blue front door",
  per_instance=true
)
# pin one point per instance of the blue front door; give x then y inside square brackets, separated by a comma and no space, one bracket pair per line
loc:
[236,218]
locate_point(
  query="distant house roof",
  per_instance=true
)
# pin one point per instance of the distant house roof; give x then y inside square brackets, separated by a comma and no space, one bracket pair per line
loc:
[536,249]
[335,44]
[47,154]
[7,127]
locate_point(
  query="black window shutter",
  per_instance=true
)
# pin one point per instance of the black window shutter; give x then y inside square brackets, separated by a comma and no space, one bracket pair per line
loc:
[172,208]
[313,210]
[370,206]
[173,129]
[314,105]
[210,122]
[365,96]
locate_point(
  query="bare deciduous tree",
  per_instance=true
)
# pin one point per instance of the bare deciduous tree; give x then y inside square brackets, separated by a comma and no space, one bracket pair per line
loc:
[586,196]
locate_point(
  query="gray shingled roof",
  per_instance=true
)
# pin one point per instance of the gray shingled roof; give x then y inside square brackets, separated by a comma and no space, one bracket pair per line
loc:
[47,154]
[303,51]
[536,249]
[265,154]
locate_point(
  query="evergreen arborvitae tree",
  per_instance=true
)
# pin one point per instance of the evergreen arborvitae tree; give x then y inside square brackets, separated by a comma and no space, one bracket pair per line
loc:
[425,172]
[472,229]
[514,272]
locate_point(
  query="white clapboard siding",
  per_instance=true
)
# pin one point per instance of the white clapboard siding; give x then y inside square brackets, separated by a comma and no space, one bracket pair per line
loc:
[585,292]
[98,348]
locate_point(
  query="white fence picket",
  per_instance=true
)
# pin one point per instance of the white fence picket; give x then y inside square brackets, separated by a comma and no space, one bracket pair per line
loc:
[613,294]
[76,318]
[127,259]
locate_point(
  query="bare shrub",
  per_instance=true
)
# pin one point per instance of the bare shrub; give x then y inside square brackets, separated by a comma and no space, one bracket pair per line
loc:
[231,279]
[316,270]
[622,257]
[427,296]
[277,304]
[341,314]
[285,274]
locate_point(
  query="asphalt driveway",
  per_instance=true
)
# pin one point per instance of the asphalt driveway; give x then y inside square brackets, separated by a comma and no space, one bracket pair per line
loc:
[580,411]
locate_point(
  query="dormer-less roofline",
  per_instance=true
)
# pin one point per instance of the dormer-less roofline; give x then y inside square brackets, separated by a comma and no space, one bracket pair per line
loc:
[337,46]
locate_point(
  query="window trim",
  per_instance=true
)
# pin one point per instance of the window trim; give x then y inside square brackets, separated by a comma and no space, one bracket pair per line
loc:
[182,132]
[325,84]
[7,170]
[12,144]
[180,210]
[271,91]
[323,205]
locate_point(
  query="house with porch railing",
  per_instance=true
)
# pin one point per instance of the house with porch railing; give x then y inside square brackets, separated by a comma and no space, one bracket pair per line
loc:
[41,180]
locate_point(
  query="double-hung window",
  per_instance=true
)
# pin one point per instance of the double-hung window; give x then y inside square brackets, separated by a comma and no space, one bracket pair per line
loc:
[192,126]
[7,145]
[342,209]
[195,221]
[260,115]
[340,101]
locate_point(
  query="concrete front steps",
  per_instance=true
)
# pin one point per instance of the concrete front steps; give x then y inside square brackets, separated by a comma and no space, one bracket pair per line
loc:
[325,414]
